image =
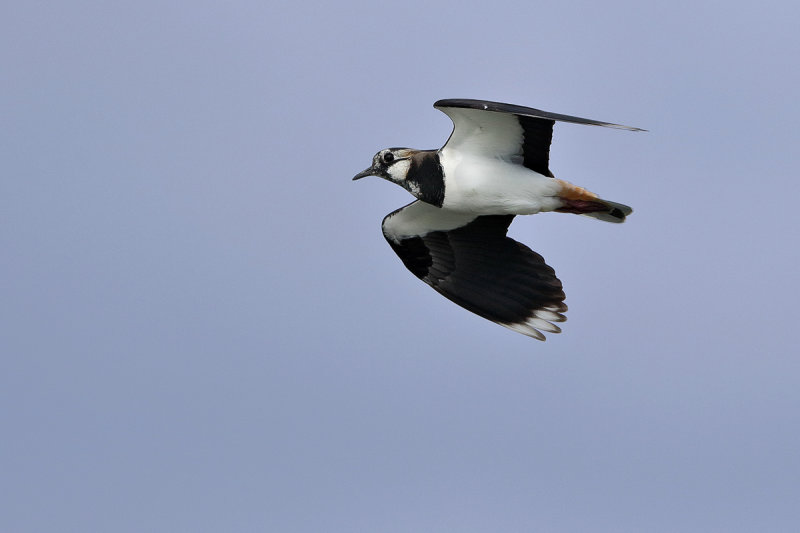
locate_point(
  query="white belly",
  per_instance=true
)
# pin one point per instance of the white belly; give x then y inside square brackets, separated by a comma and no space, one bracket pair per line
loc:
[495,187]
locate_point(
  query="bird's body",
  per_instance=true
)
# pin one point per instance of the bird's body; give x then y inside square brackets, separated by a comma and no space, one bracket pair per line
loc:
[512,190]
[495,165]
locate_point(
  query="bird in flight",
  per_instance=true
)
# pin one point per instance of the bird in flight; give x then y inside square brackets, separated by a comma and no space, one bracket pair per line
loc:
[494,166]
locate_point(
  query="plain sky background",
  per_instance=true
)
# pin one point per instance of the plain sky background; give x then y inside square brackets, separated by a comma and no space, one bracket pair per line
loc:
[202,328]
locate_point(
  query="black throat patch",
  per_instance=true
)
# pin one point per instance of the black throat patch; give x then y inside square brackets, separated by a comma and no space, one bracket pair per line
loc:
[426,176]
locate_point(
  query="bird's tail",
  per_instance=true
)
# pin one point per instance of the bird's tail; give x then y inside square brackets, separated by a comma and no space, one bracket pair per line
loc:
[582,202]
[610,211]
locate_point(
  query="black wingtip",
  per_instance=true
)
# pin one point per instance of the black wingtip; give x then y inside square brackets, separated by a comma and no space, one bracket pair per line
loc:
[488,105]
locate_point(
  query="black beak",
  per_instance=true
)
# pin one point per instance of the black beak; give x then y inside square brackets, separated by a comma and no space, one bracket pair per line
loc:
[363,174]
[371,171]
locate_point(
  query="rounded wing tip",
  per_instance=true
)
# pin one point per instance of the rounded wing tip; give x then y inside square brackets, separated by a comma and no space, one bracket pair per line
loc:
[526,330]
[542,320]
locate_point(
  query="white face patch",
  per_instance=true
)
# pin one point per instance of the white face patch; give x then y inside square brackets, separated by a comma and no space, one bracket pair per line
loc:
[399,170]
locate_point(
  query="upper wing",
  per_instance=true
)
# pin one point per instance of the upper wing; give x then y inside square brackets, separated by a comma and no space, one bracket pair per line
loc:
[469,260]
[510,131]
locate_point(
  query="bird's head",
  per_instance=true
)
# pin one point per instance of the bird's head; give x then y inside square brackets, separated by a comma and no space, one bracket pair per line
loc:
[391,164]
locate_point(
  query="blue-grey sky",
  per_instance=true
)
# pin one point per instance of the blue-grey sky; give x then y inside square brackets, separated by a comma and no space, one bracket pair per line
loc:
[202,328]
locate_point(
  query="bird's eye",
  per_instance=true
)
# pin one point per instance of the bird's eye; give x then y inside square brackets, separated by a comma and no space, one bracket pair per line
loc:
[388,157]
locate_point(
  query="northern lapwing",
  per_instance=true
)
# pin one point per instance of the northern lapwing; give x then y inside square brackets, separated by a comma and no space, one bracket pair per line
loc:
[495,165]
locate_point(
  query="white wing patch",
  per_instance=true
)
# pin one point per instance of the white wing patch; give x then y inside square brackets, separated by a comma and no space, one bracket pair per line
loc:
[417,219]
[484,133]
